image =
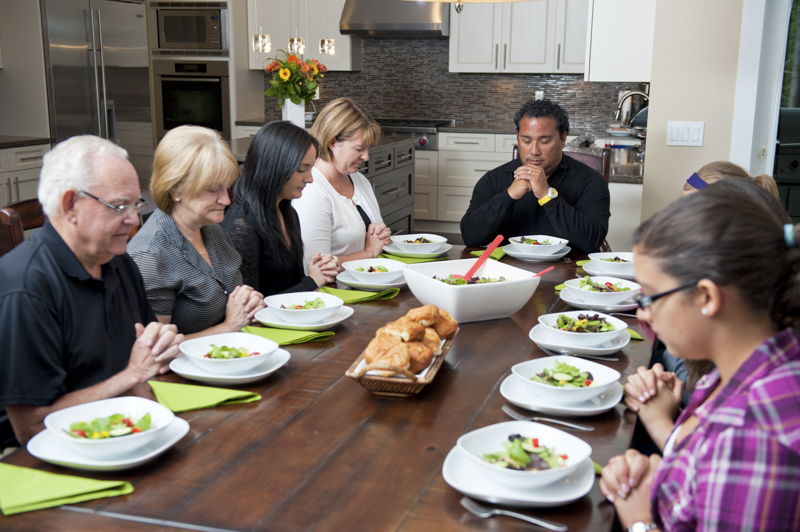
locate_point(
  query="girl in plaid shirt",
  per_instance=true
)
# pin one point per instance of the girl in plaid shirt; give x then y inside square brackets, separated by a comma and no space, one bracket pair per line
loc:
[723,276]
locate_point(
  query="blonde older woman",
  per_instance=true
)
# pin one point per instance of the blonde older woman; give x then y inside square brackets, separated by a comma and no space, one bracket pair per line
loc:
[190,268]
[338,212]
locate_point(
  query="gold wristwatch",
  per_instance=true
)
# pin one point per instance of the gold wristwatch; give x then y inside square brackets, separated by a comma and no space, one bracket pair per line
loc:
[551,194]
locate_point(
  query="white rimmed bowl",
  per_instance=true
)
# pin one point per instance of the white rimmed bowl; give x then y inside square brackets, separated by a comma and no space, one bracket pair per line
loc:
[196,349]
[603,298]
[556,244]
[576,339]
[303,316]
[59,421]
[475,302]
[604,378]
[395,268]
[488,440]
[436,243]
[612,268]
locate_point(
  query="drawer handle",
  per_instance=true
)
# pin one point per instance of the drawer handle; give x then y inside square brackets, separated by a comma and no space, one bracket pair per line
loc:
[395,191]
[37,158]
[463,142]
[385,163]
[404,157]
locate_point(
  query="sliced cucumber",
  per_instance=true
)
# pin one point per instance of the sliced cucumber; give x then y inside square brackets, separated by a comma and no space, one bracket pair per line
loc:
[562,376]
[120,431]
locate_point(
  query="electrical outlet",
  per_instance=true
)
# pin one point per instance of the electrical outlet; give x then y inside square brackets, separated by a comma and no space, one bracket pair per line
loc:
[539,95]
[316,95]
[685,133]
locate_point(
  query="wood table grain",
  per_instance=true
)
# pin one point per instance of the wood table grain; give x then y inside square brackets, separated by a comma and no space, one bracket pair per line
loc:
[320,452]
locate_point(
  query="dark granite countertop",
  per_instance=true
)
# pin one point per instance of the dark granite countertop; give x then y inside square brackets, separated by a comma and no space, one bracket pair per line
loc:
[479,127]
[9,141]
[258,122]
[239,147]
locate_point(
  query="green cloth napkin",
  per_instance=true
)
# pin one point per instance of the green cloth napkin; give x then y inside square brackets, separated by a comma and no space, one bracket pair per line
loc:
[634,335]
[582,263]
[357,296]
[409,260]
[289,336]
[497,254]
[23,489]
[560,287]
[182,397]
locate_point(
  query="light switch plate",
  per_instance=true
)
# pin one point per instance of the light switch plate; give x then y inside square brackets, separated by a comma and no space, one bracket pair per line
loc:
[539,95]
[685,133]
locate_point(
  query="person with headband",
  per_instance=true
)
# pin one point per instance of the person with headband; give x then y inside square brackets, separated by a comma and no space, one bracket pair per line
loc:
[719,170]
[720,276]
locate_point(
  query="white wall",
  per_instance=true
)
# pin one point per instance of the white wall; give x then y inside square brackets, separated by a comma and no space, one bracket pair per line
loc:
[23,92]
[247,86]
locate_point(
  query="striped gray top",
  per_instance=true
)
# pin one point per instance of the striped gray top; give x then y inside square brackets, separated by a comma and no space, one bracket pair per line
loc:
[179,282]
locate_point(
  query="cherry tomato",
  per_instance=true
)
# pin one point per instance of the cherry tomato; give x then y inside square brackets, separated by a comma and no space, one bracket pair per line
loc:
[127,421]
[81,433]
[136,430]
[535,442]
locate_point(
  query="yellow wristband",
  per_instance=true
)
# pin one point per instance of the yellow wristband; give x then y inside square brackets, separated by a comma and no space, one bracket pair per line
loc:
[544,200]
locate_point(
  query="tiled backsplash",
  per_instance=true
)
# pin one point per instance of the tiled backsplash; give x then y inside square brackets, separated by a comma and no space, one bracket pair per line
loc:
[409,78]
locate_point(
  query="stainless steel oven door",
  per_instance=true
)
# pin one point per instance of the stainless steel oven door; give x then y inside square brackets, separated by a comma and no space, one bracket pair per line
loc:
[192,93]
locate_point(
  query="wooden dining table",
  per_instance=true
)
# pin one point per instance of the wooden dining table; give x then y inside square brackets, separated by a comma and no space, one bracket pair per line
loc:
[319,452]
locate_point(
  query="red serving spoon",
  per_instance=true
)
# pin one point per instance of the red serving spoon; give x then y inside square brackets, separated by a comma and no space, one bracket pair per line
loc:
[484,256]
[543,272]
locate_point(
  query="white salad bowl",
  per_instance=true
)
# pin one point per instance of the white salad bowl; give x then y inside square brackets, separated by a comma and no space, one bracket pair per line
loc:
[436,243]
[556,244]
[476,302]
[488,440]
[604,298]
[395,268]
[58,424]
[303,316]
[576,339]
[603,378]
[196,350]
[612,268]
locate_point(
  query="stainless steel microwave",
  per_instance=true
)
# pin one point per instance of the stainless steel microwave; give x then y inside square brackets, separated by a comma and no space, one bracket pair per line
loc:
[195,27]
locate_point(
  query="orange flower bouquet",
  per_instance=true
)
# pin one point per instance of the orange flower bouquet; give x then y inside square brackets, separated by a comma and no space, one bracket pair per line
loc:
[293,79]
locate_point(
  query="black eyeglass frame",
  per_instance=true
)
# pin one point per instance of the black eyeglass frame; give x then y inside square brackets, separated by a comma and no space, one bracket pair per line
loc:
[646,301]
[122,210]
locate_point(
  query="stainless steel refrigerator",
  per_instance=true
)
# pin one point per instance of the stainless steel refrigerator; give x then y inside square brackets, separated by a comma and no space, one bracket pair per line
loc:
[98,81]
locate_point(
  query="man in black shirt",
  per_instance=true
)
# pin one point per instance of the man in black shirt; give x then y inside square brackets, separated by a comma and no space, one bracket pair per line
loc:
[544,192]
[73,302]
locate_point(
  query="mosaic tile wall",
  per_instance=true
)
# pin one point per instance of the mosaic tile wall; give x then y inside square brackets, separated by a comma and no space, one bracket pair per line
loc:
[409,78]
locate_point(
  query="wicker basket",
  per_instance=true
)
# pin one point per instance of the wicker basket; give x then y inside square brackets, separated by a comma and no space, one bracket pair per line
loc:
[405,386]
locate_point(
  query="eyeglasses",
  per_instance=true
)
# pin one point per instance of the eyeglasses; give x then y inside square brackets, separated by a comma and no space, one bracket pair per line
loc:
[646,301]
[121,210]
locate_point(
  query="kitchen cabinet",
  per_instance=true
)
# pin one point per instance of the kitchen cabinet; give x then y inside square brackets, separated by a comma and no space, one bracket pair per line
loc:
[626,213]
[311,19]
[19,172]
[538,36]
[426,170]
[453,203]
[425,202]
[241,132]
[465,168]
[618,51]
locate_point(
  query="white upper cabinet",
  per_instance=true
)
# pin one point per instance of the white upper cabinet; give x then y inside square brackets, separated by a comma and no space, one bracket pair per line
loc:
[539,36]
[311,19]
[619,42]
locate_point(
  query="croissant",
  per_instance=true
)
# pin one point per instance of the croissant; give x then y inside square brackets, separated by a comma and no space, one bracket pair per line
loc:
[405,329]
[445,326]
[388,350]
[432,341]
[425,316]
[419,356]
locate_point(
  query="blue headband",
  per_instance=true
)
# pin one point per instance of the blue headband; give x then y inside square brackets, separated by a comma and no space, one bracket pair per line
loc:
[696,182]
[788,236]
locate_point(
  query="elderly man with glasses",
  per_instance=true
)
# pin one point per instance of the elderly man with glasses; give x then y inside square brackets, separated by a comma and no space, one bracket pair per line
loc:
[76,324]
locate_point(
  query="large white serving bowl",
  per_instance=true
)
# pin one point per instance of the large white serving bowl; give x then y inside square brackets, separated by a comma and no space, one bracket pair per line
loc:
[603,378]
[612,268]
[306,316]
[395,268]
[576,339]
[477,302]
[59,421]
[436,243]
[488,440]
[604,298]
[196,349]
[556,244]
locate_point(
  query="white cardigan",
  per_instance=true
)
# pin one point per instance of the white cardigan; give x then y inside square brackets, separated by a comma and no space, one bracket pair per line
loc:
[329,222]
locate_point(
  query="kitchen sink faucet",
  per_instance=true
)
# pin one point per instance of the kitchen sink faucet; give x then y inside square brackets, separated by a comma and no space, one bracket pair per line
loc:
[622,101]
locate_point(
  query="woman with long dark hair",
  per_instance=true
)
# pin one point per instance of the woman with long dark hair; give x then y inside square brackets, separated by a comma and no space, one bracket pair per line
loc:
[263,225]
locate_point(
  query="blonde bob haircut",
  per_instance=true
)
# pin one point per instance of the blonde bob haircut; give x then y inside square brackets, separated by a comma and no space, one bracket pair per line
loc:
[189,159]
[719,170]
[341,120]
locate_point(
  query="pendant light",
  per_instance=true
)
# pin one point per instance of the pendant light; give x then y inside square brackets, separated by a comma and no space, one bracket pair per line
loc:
[261,43]
[326,45]
[460,3]
[297,45]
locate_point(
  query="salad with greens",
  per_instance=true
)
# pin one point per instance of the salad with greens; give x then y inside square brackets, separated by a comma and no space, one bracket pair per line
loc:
[615,259]
[564,376]
[373,269]
[475,280]
[587,284]
[315,303]
[420,240]
[525,454]
[532,242]
[114,426]
[229,352]
[586,323]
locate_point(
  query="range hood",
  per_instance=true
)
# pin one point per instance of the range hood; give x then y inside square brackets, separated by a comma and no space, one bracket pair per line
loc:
[395,18]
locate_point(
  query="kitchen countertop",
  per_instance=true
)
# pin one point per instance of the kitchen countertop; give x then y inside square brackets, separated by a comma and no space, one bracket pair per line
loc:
[257,122]
[239,147]
[9,141]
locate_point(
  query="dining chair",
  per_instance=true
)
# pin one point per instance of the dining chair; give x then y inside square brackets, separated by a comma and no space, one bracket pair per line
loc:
[30,213]
[11,234]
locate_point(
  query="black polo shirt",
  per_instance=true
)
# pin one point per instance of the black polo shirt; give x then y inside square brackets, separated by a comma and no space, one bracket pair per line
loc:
[579,214]
[61,329]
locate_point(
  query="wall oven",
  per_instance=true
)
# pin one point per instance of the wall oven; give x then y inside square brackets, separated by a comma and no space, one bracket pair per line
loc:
[194,26]
[189,92]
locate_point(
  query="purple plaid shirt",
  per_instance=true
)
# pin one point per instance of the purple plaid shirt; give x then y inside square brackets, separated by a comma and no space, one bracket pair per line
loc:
[740,468]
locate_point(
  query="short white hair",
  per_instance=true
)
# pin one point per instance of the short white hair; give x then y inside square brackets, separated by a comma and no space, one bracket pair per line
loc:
[70,165]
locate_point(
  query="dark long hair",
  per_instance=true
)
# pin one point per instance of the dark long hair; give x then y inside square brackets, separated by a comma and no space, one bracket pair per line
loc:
[274,155]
